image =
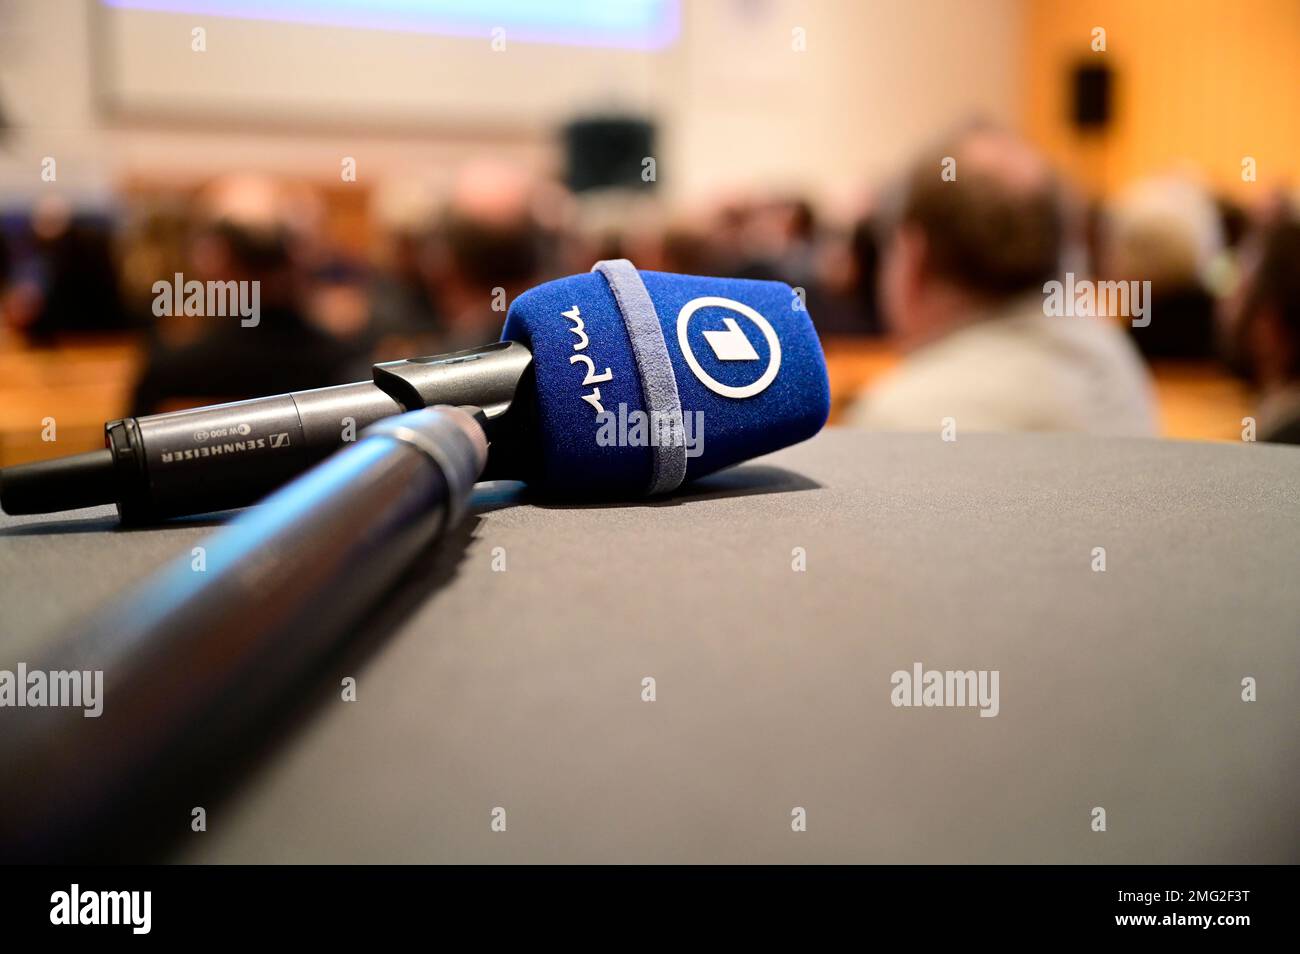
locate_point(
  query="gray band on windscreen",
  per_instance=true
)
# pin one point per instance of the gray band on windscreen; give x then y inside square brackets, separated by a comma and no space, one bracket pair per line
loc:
[658,382]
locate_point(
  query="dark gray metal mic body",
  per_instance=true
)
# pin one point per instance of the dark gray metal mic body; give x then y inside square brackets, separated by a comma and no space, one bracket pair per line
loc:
[199,652]
[230,455]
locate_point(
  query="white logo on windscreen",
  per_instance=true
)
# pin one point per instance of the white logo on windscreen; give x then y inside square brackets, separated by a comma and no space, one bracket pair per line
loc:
[729,344]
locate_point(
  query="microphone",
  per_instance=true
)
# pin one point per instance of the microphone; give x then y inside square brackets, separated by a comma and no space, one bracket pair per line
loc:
[715,370]
[190,661]
[617,383]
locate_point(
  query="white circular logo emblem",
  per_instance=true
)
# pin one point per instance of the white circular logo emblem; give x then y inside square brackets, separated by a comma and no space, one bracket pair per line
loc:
[729,345]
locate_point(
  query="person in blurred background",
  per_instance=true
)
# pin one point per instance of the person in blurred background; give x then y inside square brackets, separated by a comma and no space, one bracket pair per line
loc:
[65,275]
[489,253]
[778,242]
[962,292]
[864,249]
[1168,231]
[228,361]
[402,301]
[403,306]
[1264,330]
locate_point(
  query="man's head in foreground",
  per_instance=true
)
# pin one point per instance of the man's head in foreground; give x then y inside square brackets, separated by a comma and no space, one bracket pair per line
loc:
[979,223]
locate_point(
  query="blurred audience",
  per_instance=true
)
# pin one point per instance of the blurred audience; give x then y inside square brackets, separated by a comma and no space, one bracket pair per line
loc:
[62,276]
[953,271]
[220,358]
[962,281]
[489,251]
[1264,329]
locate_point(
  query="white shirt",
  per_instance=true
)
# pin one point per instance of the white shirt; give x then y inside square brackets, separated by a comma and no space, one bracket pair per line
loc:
[1021,371]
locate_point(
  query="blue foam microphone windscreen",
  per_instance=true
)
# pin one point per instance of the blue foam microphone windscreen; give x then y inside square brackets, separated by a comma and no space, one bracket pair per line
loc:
[647,380]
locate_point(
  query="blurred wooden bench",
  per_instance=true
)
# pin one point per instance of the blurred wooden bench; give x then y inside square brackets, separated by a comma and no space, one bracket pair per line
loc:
[79,385]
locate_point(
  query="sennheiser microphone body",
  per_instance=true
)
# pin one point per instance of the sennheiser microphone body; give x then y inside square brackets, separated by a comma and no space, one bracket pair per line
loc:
[230,455]
[618,383]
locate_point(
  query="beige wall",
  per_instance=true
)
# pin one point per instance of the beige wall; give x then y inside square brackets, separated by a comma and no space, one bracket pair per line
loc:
[738,106]
[878,79]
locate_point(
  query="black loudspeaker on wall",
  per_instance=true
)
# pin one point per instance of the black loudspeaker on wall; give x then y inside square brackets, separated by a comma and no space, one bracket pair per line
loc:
[1092,87]
[604,152]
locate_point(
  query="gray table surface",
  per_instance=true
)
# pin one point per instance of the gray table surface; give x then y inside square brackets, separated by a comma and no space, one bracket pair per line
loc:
[522,689]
